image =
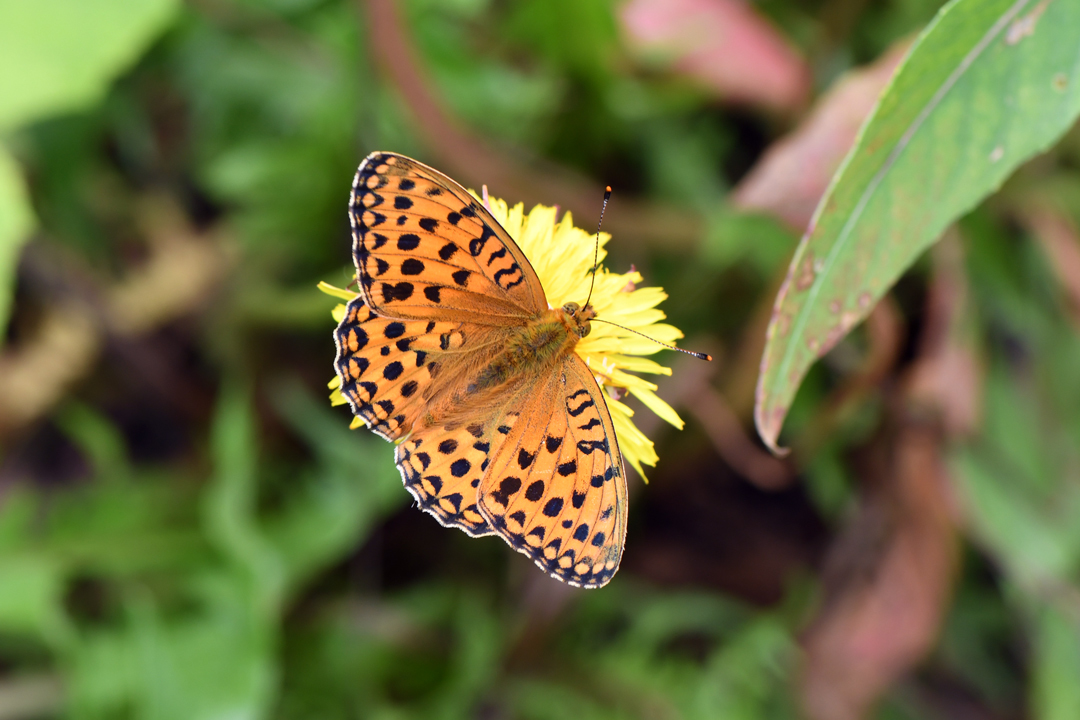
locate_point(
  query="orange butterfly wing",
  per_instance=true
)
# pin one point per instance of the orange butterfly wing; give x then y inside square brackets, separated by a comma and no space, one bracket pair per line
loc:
[385,372]
[556,488]
[442,284]
[425,248]
[389,371]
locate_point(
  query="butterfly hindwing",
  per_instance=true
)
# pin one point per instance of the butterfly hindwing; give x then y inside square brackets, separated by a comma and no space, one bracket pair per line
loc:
[425,248]
[556,490]
[385,366]
[391,376]
[442,469]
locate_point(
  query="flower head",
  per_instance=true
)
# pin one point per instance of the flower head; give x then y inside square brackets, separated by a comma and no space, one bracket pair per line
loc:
[562,256]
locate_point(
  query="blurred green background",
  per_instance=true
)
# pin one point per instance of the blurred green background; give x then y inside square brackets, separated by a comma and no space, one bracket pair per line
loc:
[188,530]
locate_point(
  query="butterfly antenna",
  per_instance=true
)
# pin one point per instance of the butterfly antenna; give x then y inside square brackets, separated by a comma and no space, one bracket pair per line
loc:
[596,251]
[698,355]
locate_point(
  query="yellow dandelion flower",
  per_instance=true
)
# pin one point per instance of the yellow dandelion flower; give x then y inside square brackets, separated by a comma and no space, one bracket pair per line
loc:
[562,256]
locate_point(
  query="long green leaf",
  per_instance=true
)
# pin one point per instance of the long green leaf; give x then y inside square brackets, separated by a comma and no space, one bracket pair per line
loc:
[987,85]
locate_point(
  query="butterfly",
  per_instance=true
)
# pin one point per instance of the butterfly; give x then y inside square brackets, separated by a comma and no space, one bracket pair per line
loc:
[452,352]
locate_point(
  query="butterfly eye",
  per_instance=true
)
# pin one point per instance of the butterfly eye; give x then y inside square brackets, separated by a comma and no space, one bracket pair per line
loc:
[584,329]
[571,308]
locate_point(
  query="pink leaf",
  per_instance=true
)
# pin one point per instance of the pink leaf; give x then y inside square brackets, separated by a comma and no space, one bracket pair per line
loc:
[722,44]
[791,177]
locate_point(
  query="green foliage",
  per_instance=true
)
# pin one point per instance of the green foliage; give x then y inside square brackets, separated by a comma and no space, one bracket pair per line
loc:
[16,222]
[56,56]
[189,530]
[974,98]
[62,54]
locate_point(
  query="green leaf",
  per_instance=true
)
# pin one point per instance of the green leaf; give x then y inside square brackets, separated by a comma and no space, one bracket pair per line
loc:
[355,485]
[230,510]
[16,222]
[32,600]
[1055,692]
[58,55]
[1017,483]
[55,56]
[987,85]
[213,662]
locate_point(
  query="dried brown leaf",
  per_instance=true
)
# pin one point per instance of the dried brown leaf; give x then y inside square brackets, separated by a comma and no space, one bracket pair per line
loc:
[888,585]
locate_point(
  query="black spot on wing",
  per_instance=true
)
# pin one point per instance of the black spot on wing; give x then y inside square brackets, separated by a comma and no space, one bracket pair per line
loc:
[553,507]
[588,447]
[535,491]
[574,412]
[447,251]
[500,253]
[412,266]
[509,486]
[455,500]
[476,245]
[358,339]
[500,275]
[525,458]
[399,291]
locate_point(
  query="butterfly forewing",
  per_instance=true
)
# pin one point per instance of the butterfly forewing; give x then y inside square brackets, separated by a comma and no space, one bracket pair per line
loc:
[425,248]
[555,489]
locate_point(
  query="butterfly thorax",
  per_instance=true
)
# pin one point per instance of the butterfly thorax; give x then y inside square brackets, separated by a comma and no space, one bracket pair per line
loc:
[536,346]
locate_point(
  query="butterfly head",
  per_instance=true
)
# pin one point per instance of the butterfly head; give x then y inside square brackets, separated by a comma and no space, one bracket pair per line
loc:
[579,318]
